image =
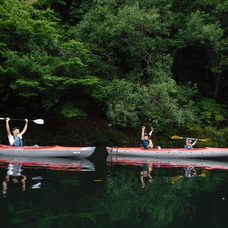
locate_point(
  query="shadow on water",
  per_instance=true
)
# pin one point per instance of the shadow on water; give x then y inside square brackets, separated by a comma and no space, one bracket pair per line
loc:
[99,156]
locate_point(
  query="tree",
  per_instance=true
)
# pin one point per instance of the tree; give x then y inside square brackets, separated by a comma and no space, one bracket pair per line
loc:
[162,103]
[126,38]
[201,27]
[39,65]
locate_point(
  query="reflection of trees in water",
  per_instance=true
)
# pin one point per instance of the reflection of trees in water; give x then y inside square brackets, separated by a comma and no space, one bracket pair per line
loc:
[127,202]
[159,203]
[119,201]
[61,202]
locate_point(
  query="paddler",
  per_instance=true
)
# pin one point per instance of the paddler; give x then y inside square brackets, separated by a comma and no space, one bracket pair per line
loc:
[15,139]
[145,141]
[189,143]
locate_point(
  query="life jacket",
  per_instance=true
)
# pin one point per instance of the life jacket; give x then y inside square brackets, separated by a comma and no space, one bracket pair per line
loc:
[145,143]
[188,147]
[14,169]
[17,141]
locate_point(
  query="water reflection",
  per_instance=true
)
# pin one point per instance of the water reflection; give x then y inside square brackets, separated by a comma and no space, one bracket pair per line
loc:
[81,164]
[114,196]
[189,164]
[190,171]
[16,165]
[179,190]
[150,167]
[145,173]
[13,175]
[14,170]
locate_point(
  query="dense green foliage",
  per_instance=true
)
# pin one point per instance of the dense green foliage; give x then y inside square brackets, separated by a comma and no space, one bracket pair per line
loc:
[160,63]
[161,103]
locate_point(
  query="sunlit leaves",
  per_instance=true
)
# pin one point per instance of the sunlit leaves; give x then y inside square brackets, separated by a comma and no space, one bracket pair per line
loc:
[39,60]
[69,110]
[211,112]
[128,39]
[29,25]
[125,38]
[161,103]
[201,31]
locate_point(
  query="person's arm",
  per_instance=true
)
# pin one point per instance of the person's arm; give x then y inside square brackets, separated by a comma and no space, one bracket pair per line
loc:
[7,126]
[150,168]
[151,131]
[194,171]
[186,141]
[194,142]
[23,181]
[4,185]
[142,182]
[151,144]
[143,130]
[25,127]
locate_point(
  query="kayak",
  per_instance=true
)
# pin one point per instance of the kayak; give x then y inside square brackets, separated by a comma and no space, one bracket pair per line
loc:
[207,152]
[46,151]
[167,163]
[67,164]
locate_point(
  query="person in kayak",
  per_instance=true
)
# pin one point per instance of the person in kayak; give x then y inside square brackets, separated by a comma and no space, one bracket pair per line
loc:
[145,141]
[15,139]
[189,143]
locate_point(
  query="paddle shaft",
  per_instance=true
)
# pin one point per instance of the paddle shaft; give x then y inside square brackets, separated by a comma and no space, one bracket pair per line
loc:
[37,121]
[178,137]
[189,138]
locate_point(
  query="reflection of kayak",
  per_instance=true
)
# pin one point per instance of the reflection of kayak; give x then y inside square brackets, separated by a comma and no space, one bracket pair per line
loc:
[75,164]
[46,151]
[170,153]
[166,163]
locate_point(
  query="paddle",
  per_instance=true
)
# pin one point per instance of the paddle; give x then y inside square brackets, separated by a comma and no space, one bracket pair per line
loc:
[37,121]
[178,137]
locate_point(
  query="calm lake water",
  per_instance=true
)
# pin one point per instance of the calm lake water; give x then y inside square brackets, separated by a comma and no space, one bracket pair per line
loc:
[114,192]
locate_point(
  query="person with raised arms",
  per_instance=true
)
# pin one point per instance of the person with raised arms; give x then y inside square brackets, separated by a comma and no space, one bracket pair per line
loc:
[15,139]
[145,141]
[189,143]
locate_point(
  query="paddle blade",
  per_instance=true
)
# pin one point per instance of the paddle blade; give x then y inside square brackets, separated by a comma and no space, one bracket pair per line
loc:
[39,121]
[176,137]
[204,140]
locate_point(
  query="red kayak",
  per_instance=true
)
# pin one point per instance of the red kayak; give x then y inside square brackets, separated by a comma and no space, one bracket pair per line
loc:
[207,152]
[46,151]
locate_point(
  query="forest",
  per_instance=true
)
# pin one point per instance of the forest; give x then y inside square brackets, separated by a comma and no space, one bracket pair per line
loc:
[98,70]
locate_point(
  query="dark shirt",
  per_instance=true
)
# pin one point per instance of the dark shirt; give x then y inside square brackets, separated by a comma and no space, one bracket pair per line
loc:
[145,143]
